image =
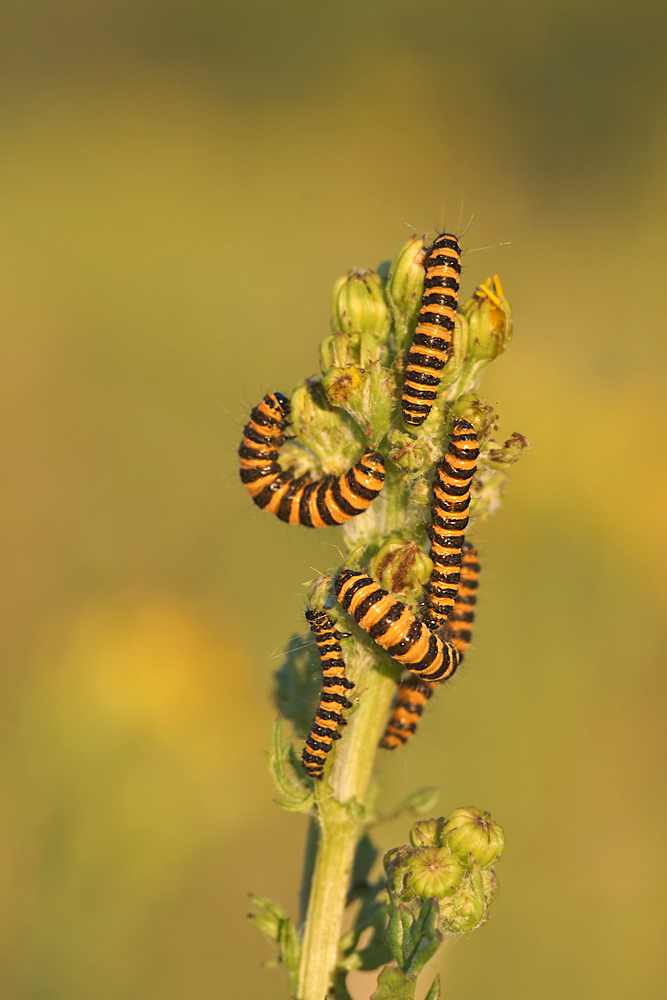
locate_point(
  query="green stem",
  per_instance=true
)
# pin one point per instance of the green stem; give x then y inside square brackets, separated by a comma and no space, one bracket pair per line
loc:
[342,822]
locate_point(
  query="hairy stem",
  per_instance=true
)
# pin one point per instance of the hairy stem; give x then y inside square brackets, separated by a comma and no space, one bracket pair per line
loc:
[342,821]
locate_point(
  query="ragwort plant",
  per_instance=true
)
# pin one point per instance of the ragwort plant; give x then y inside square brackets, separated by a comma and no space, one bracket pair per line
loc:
[443,881]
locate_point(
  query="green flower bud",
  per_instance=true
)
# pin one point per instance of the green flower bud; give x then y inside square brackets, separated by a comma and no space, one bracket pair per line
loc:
[401,567]
[366,393]
[396,867]
[345,387]
[470,833]
[434,871]
[326,431]
[405,287]
[492,479]
[508,454]
[489,319]
[339,350]
[459,354]
[427,833]
[472,407]
[465,909]
[358,306]
[319,592]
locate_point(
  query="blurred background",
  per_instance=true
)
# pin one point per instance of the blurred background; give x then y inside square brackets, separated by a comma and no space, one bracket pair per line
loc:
[181,184]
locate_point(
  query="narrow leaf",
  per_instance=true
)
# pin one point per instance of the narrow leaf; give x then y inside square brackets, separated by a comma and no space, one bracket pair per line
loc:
[294,795]
[434,992]
[426,938]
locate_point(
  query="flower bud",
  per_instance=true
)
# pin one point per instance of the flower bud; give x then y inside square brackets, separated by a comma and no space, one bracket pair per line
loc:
[472,835]
[319,592]
[434,871]
[465,909]
[473,408]
[401,567]
[326,431]
[340,349]
[405,285]
[427,833]
[489,319]
[358,305]
[459,354]
[345,386]
[395,865]
[508,454]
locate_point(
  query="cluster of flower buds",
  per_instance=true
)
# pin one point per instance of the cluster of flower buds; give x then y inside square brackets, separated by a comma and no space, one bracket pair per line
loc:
[450,860]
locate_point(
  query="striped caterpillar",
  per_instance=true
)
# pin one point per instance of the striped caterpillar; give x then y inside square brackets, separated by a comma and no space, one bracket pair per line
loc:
[394,627]
[329,715]
[331,500]
[432,340]
[413,692]
[449,520]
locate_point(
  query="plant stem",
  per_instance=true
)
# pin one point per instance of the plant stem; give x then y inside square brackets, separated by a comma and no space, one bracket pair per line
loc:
[342,822]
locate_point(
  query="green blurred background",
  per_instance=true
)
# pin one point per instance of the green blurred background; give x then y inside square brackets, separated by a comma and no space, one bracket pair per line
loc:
[180,185]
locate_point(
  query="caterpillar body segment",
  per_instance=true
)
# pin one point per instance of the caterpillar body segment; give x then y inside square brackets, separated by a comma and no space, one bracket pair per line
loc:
[449,520]
[432,340]
[412,695]
[460,622]
[394,627]
[329,501]
[329,715]
[413,692]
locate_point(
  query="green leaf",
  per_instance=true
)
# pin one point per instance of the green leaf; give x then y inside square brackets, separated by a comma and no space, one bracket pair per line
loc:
[394,985]
[298,683]
[425,938]
[424,800]
[295,795]
[434,992]
[274,922]
[290,952]
[269,918]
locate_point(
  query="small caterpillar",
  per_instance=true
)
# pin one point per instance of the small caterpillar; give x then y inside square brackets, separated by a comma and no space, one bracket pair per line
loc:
[331,500]
[449,520]
[413,692]
[432,340]
[394,627]
[329,714]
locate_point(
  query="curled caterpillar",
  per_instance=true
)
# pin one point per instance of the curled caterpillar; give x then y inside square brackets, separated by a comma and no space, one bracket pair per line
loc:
[329,715]
[413,692]
[449,520]
[394,627]
[331,500]
[432,340]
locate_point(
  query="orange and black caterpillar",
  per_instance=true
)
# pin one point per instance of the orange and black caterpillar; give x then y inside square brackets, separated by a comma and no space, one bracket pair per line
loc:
[432,340]
[449,520]
[331,500]
[413,692]
[329,714]
[394,627]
